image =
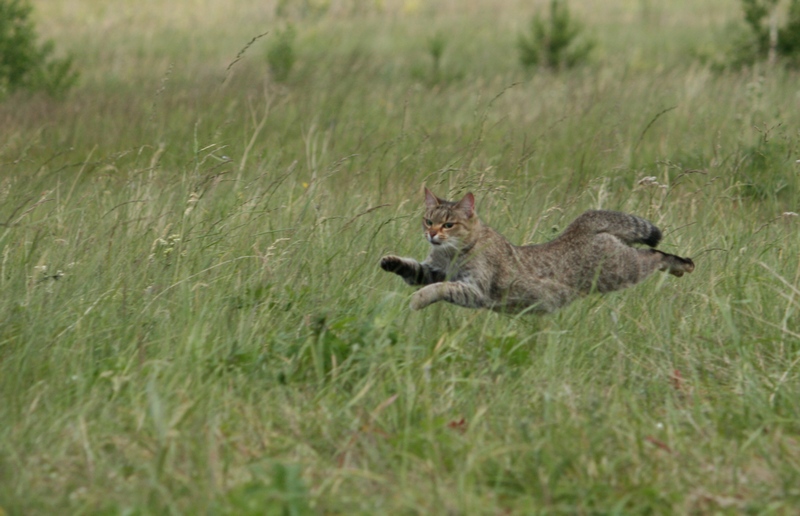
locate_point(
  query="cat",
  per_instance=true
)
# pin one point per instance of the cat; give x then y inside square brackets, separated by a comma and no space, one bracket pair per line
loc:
[474,266]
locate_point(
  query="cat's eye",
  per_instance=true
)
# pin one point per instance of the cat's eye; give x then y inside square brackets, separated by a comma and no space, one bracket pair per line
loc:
[428,222]
[448,225]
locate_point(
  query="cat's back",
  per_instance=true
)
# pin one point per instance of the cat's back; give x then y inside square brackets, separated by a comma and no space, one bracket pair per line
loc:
[630,229]
[585,246]
[540,260]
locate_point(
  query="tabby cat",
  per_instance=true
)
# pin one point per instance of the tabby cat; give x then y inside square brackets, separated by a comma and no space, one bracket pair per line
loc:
[472,265]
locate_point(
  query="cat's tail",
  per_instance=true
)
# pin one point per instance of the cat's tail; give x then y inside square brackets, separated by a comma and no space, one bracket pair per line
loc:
[628,228]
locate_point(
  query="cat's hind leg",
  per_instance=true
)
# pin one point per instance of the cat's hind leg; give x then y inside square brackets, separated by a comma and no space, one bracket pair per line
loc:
[458,293]
[675,265]
[653,260]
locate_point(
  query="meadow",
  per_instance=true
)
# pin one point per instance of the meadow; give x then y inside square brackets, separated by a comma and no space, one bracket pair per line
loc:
[193,319]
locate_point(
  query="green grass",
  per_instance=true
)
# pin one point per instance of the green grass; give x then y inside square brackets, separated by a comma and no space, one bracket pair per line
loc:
[193,319]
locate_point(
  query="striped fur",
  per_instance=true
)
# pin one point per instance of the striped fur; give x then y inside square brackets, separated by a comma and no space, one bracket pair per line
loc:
[472,265]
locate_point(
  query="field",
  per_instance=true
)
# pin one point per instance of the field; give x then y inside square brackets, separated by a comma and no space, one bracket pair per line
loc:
[193,320]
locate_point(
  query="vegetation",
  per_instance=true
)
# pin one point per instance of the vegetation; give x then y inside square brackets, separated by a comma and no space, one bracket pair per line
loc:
[555,42]
[24,63]
[193,319]
[770,34]
[280,55]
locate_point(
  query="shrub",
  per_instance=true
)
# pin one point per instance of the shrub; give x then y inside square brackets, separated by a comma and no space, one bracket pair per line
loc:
[436,48]
[280,54]
[554,42]
[761,38]
[24,64]
[435,75]
[789,34]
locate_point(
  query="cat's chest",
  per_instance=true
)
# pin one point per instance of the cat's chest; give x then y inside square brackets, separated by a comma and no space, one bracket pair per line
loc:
[453,264]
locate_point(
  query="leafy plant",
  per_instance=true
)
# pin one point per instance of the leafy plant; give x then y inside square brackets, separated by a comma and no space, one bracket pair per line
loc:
[554,42]
[763,38]
[280,54]
[25,64]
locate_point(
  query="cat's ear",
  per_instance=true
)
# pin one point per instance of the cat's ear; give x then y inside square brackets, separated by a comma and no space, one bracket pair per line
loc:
[467,205]
[431,201]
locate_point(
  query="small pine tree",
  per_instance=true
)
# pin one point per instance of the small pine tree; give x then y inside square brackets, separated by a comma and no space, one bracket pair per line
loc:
[755,16]
[762,39]
[789,34]
[280,54]
[436,48]
[554,42]
[24,64]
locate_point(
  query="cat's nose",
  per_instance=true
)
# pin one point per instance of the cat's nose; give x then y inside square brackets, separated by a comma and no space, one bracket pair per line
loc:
[432,233]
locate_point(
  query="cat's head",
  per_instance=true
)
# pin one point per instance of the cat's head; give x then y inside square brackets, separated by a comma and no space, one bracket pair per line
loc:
[447,223]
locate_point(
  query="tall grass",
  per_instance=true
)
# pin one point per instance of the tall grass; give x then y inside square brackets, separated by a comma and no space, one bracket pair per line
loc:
[193,318]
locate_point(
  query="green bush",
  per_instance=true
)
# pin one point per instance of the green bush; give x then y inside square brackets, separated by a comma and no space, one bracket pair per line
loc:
[24,64]
[757,42]
[435,75]
[554,42]
[280,54]
[789,34]
[436,46]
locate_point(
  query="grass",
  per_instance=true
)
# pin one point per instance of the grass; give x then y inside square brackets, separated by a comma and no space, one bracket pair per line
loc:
[193,319]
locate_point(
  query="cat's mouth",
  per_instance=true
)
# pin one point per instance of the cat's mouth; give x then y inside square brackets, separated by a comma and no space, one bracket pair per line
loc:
[441,243]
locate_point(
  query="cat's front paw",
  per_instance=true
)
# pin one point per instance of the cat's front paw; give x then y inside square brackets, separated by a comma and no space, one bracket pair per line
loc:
[392,263]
